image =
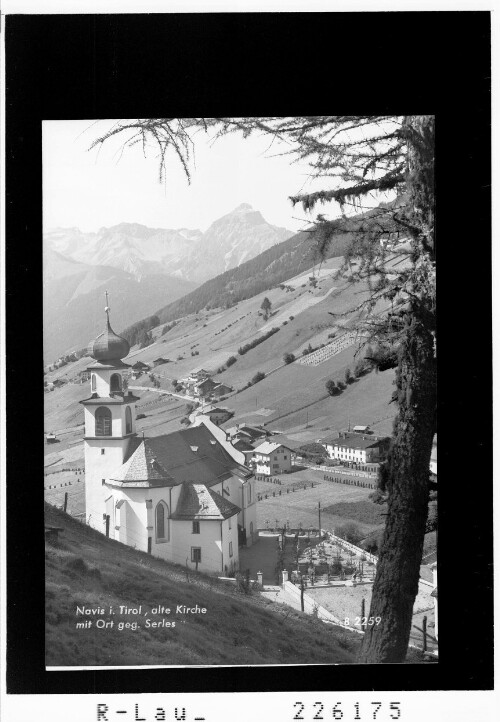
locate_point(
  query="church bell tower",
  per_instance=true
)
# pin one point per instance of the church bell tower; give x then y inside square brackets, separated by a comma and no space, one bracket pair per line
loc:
[109,419]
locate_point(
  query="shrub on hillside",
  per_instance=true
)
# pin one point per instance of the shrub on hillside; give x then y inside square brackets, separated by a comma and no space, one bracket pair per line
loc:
[350,532]
[288,358]
[332,388]
[258,377]
[363,366]
[231,360]
[252,344]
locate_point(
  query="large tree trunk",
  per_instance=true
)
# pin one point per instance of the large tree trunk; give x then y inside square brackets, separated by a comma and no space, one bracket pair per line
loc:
[398,568]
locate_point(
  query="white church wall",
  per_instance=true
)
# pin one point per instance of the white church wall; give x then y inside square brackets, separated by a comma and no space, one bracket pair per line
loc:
[99,466]
[208,540]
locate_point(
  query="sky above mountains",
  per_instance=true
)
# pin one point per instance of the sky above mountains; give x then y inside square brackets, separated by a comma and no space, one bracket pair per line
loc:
[92,189]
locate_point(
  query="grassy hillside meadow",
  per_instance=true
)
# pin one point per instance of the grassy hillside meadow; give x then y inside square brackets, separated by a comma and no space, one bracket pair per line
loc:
[292,399]
[86,569]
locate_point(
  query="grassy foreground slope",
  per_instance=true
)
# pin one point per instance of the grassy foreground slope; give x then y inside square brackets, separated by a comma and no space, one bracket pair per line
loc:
[86,569]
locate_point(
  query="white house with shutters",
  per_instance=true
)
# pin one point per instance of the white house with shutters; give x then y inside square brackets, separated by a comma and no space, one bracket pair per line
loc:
[271,458]
[185,497]
[356,448]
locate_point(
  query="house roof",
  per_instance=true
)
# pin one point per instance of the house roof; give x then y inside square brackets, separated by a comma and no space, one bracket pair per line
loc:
[221,387]
[243,445]
[188,455]
[354,443]
[217,410]
[197,501]
[206,382]
[252,432]
[360,428]
[267,447]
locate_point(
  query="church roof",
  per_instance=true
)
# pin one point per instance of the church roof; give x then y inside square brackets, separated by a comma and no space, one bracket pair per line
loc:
[143,466]
[197,501]
[188,455]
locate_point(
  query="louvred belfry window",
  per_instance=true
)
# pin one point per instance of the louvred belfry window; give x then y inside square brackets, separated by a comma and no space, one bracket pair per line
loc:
[128,420]
[103,421]
[115,383]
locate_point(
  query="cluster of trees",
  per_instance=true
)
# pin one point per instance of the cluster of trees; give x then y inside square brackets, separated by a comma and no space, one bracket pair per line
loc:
[139,333]
[154,381]
[168,327]
[255,380]
[335,388]
[252,344]
[288,358]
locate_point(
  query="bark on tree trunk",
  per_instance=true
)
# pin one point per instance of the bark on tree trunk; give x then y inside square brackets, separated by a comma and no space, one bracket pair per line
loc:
[398,568]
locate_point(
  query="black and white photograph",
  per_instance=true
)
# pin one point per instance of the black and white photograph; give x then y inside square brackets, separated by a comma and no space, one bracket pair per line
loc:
[233,338]
[240,391]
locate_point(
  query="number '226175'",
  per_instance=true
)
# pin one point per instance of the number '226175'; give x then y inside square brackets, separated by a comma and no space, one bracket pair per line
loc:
[321,712]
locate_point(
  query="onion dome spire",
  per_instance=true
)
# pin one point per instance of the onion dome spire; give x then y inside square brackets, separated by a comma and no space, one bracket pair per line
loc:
[108,346]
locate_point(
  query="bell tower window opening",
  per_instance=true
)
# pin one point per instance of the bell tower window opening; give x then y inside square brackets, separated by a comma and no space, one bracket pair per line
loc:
[128,420]
[103,421]
[115,383]
[93,383]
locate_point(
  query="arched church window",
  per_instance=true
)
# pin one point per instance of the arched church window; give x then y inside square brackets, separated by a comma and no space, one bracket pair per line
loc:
[93,382]
[162,522]
[128,420]
[103,421]
[115,383]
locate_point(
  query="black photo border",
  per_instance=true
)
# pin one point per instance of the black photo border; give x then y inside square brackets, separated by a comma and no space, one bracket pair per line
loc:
[123,66]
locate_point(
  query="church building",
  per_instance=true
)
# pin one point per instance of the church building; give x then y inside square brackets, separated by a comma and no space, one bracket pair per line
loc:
[185,497]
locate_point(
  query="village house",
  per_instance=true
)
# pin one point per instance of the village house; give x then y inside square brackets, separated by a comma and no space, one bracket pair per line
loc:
[182,496]
[356,448]
[199,374]
[248,433]
[140,366]
[217,415]
[221,390]
[204,389]
[194,378]
[272,458]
